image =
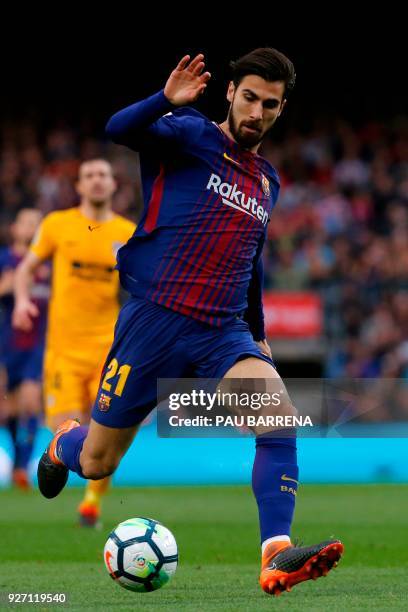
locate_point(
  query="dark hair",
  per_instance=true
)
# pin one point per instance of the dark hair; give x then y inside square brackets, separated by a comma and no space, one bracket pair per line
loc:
[90,160]
[268,63]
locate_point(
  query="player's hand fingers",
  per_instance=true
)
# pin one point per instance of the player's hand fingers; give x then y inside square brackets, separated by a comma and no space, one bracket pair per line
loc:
[194,62]
[267,351]
[198,69]
[204,78]
[21,321]
[33,310]
[202,88]
[182,63]
[27,325]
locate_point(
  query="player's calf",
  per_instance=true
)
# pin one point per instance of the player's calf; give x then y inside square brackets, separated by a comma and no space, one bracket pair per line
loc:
[103,449]
[96,468]
[93,452]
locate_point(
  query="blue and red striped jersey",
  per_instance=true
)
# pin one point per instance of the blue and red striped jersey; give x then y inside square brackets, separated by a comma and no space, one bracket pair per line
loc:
[207,205]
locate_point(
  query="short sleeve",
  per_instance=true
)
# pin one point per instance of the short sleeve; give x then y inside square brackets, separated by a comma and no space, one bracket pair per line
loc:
[45,241]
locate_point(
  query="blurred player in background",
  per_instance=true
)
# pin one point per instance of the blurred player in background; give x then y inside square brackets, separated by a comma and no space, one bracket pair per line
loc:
[22,350]
[82,243]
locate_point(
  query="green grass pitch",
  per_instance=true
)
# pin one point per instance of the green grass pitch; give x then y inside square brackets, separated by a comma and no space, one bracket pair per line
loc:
[42,550]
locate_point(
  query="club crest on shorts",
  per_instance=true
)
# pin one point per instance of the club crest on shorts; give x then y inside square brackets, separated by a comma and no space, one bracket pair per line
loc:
[104,402]
[265,186]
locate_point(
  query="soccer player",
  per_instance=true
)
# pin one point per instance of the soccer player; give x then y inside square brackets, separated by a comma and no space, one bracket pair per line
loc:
[22,351]
[194,270]
[82,243]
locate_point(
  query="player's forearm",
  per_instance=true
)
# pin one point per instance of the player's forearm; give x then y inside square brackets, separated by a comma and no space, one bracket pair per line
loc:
[23,279]
[6,283]
[137,118]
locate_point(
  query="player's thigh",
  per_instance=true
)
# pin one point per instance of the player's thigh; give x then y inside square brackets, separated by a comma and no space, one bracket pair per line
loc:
[106,445]
[232,355]
[252,367]
[266,390]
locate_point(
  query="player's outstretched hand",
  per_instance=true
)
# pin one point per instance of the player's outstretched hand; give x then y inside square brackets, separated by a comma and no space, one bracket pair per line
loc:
[23,315]
[187,81]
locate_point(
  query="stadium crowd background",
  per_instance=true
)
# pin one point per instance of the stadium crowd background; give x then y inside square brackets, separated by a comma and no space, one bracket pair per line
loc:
[341,224]
[340,227]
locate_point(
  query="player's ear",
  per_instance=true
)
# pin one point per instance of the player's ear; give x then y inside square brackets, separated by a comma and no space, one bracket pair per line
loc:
[230,91]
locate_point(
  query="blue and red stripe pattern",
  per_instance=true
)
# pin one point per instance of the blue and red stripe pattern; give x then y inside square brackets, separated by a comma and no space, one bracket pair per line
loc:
[153,207]
[208,202]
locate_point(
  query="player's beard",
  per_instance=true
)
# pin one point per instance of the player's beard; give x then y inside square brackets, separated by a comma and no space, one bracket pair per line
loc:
[247,141]
[97,203]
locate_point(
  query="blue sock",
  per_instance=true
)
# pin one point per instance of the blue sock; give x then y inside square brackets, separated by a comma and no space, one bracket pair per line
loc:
[12,424]
[13,429]
[28,432]
[274,483]
[69,448]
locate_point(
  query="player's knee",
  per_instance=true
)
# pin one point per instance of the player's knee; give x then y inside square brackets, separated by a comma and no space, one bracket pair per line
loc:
[97,468]
[30,397]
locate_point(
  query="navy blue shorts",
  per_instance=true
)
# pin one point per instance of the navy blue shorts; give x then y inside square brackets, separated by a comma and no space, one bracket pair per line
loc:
[23,365]
[154,342]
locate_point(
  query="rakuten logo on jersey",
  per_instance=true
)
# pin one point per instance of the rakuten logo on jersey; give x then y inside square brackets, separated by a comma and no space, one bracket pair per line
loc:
[231,196]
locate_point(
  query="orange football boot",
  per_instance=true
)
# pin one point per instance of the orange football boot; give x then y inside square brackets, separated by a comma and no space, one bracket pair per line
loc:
[284,565]
[52,474]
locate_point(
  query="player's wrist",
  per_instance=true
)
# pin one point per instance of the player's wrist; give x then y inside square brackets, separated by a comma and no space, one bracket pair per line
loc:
[171,99]
[21,302]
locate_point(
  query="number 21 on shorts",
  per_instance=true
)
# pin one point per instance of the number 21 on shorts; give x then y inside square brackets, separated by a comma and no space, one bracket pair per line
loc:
[122,371]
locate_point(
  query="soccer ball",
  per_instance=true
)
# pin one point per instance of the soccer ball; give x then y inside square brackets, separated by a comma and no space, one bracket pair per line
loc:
[141,554]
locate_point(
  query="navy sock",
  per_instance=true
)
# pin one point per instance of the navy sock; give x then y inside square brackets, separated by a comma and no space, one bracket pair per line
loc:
[28,430]
[274,482]
[12,428]
[69,447]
